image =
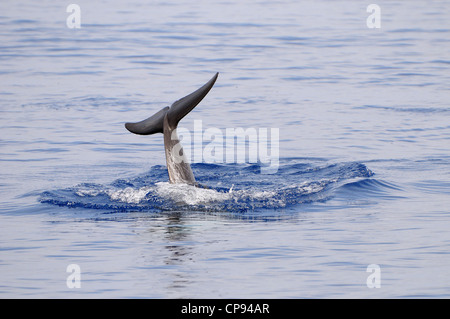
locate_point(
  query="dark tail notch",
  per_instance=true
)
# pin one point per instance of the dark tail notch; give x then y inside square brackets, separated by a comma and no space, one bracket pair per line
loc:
[178,110]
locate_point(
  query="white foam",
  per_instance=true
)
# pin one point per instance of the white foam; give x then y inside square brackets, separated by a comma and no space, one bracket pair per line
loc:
[129,194]
[87,192]
[261,195]
[308,188]
[183,194]
[188,194]
[180,193]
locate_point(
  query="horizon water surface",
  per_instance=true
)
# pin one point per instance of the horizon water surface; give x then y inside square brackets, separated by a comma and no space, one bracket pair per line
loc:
[364,160]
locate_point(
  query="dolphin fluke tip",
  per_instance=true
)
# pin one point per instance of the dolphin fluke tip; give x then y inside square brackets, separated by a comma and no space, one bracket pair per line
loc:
[183,106]
[151,125]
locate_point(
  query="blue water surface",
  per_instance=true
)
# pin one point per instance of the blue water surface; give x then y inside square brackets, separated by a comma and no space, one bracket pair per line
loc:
[364,156]
[245,189]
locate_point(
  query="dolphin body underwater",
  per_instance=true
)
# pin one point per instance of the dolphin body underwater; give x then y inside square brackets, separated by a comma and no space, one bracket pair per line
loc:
[166,121]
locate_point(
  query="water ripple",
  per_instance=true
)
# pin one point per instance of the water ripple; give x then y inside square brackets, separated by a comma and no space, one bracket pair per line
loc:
[227,188]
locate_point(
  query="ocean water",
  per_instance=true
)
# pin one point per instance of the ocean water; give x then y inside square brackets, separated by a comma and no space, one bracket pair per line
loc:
[364,150]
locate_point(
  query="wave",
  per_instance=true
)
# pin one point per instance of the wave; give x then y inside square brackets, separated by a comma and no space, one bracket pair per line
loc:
[225,188]
[369,188]
[420,110]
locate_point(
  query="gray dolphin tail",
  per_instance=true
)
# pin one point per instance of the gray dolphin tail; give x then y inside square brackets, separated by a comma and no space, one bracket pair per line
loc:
[154,124]
[178,110]
[166,121]
[182,107]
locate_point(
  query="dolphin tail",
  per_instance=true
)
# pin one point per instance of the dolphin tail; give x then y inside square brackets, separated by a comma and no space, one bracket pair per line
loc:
[154,124]
[178,110]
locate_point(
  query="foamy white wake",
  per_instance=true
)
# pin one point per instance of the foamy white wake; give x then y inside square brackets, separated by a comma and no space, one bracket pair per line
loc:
[294,185]
[130,195]
[190,195]
[179,193]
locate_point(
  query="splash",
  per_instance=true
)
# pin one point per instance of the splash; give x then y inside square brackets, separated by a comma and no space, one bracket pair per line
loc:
[226,188]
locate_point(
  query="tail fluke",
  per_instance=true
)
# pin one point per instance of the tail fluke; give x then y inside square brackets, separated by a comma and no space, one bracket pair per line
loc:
[178,110]
[154,124]
[182,107]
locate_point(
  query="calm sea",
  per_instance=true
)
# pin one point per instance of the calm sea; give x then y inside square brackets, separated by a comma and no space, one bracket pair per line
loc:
[358,208]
